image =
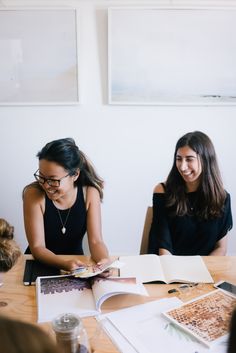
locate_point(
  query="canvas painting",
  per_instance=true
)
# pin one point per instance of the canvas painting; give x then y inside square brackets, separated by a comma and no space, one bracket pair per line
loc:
[170,55]
[39,59]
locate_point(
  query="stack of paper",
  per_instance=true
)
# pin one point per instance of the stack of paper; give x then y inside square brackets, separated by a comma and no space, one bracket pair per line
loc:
[144,329]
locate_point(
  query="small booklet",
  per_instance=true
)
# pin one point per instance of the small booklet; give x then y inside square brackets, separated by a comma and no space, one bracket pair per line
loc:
[59,294]
[166,268]
[91,270]
[207,318]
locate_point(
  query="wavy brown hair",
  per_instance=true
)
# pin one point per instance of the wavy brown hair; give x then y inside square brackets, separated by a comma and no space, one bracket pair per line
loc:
[6,230]
[9,249]
[18,336]
[211,193]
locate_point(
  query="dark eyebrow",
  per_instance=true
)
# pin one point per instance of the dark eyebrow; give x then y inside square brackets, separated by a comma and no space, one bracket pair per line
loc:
[50,177]
[190,156]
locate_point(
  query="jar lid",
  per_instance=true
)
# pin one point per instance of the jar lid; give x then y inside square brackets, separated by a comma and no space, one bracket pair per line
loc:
[66,323]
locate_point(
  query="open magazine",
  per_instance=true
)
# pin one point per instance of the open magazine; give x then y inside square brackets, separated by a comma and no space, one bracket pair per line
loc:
[166,268]
[59,294]
[207,317]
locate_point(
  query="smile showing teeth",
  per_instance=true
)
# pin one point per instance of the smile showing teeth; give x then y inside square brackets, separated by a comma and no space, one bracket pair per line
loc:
[51,191]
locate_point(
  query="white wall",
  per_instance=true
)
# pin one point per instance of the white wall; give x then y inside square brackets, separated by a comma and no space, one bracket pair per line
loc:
[131,146]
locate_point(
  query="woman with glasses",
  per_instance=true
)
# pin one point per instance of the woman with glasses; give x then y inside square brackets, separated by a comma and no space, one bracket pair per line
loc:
[62,205]
[191,210]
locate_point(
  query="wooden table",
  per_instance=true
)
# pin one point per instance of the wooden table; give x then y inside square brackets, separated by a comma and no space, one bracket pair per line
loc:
[18,301]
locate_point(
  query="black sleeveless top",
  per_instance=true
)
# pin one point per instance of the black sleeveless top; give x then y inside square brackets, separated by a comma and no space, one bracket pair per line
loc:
[69,243]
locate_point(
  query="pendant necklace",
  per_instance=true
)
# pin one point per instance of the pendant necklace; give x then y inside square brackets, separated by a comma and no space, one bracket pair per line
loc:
[63,229]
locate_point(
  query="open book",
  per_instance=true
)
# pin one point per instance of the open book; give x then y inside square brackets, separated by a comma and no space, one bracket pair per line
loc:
[207,318]
[166,268]
[59,294]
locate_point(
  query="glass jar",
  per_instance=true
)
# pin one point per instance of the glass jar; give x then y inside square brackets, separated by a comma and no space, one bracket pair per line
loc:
[70,333]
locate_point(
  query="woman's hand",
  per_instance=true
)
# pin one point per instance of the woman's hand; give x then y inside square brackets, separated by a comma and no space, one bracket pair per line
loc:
[102,263]
[70,265]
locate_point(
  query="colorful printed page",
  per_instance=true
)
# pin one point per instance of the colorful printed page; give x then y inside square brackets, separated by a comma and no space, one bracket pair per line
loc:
[206,318]
[57,294]
[63,294]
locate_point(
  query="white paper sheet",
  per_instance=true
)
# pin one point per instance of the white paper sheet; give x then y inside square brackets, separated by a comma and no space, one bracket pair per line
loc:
[147,331]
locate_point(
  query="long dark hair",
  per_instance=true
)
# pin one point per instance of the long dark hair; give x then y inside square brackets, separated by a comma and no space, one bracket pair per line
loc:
[211,193]
[232,336]
[67,154]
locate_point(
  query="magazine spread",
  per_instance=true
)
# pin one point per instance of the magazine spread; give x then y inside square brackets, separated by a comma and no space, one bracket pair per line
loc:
[206,318]
[166,268]
[59,294]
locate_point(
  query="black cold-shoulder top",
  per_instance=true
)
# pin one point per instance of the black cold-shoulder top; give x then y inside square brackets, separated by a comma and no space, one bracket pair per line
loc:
[186,235]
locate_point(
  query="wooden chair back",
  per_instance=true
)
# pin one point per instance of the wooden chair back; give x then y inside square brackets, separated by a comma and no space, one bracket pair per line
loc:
[146,231]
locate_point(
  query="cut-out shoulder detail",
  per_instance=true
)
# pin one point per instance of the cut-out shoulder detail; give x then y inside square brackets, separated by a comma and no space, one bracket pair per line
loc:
[159,188]
[85,188]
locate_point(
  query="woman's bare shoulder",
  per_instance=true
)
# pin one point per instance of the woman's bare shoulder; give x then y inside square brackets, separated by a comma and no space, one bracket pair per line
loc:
[91,196]
[159,188]
[33,192]
[92,193]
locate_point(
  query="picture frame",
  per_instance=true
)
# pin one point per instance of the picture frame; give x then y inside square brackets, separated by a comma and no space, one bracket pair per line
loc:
[39,56]
[172,56]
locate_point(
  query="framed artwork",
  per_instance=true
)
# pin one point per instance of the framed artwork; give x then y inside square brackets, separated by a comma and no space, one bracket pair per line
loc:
[172,56]
[39,56]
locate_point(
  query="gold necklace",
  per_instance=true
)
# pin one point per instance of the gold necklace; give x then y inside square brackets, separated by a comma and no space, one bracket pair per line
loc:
[63,229]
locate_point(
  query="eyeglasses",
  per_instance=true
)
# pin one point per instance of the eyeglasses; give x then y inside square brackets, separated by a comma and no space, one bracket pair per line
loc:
[50,182]
[188,289]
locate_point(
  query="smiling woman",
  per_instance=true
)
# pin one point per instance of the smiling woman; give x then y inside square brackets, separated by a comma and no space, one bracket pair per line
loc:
[62,205]
[191,210]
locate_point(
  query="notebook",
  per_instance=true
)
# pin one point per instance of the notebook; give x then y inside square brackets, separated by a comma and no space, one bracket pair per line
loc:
[34,269]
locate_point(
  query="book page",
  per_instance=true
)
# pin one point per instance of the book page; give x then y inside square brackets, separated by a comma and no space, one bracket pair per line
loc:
[185,269]
[207,318]
[59,294]
[104,288]
[147,268]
